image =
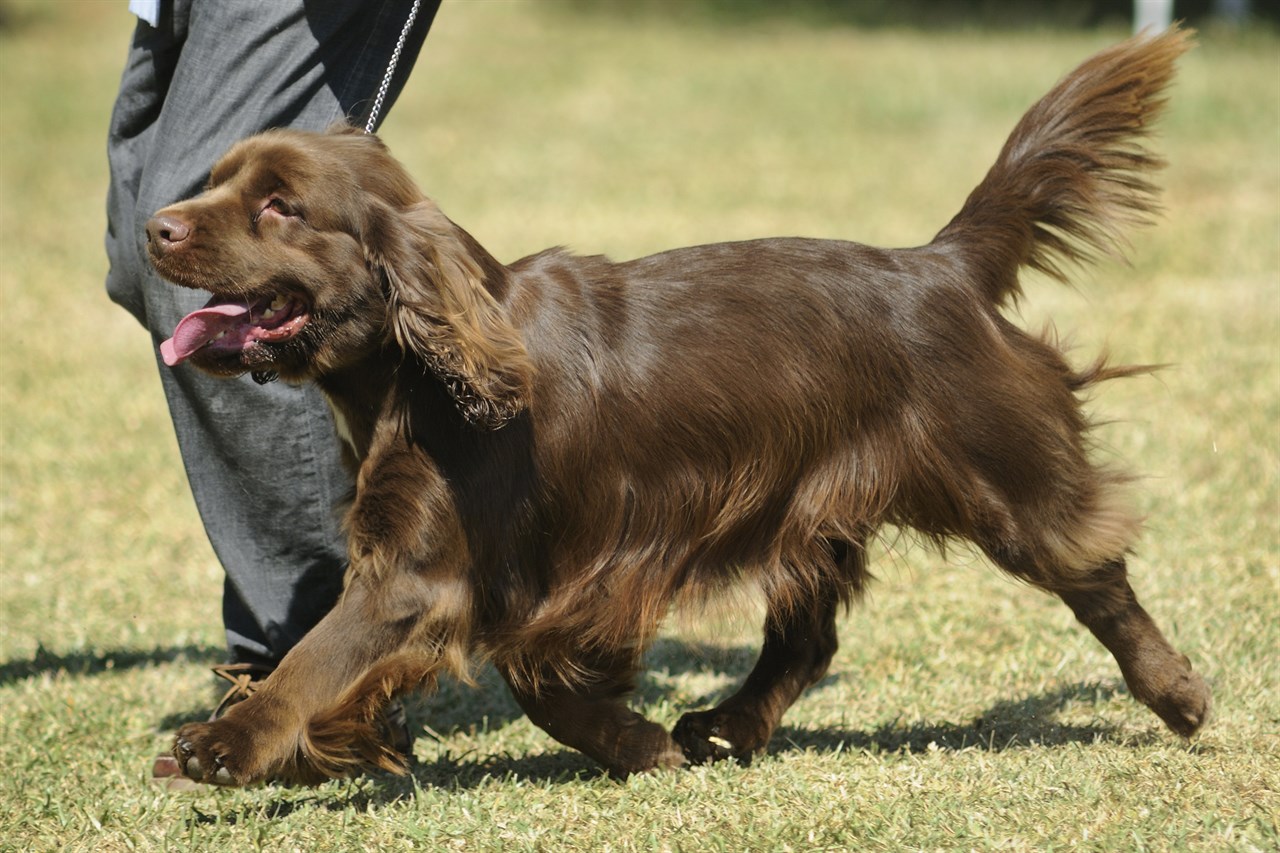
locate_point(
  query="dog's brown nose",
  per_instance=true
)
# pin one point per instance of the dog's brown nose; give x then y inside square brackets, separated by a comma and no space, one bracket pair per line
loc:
[163,232]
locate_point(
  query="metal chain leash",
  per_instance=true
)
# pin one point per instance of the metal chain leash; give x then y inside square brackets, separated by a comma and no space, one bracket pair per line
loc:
[391,68]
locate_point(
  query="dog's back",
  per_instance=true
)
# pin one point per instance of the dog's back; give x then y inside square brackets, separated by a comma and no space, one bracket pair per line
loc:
[757,401]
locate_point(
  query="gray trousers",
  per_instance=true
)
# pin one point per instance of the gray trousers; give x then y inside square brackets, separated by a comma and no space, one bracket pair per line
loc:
[263,461]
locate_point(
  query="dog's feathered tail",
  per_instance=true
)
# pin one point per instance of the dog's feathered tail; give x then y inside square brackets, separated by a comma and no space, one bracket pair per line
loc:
[1074,173]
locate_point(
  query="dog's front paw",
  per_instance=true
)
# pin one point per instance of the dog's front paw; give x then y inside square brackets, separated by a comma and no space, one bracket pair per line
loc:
[218,753]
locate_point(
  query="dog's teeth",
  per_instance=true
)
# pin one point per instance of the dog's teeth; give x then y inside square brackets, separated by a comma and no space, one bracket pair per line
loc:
[221,335]
[273,310]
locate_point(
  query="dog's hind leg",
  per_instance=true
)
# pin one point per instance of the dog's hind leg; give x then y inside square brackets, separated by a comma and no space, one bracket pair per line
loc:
[799,642]
[1157,674]
[589,713]
[1042,510]
[1099,594]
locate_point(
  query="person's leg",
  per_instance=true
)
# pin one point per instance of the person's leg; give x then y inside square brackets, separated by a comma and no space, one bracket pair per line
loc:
[263,461]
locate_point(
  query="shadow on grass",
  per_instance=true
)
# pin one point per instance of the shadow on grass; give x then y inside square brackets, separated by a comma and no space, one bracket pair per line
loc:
[924,15]
[456,708]
[1011,724]
[871,14]
[1014,724]
[97,661]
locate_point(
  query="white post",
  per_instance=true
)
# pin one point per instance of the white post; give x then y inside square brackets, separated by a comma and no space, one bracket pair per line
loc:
[1154,14]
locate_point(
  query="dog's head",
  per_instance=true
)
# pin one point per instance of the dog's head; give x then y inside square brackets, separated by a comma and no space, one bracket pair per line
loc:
[319,251]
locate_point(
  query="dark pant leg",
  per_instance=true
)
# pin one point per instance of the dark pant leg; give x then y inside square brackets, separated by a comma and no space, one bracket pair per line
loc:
[263,461]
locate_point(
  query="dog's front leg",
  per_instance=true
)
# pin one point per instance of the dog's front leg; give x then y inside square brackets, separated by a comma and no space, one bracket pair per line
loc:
[315,716]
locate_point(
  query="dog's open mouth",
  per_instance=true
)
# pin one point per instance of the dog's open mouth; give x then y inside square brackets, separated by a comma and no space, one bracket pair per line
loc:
[232,325]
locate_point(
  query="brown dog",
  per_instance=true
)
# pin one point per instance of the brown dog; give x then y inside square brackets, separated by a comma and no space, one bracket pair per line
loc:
[552,454]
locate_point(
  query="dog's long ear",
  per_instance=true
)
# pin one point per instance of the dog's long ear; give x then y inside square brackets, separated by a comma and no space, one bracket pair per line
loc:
[440,308]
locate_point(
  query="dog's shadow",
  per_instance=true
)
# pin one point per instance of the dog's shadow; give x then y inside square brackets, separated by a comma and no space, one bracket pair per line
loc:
[457,709]
[1011,724]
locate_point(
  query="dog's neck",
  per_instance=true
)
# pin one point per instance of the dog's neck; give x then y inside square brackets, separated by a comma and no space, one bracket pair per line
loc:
[358,395]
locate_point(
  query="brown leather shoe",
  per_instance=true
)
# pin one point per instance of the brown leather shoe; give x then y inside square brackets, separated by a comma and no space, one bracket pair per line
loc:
[245,680]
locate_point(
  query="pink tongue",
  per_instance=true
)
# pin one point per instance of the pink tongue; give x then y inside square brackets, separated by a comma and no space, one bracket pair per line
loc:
[199,328]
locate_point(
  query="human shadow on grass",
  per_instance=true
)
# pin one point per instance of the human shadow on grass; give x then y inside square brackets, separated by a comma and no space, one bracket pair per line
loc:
[98,661]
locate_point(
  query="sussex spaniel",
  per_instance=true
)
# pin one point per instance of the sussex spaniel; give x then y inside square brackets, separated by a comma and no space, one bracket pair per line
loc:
[551,454]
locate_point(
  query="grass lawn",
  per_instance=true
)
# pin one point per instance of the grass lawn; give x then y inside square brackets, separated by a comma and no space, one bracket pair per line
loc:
[963,712]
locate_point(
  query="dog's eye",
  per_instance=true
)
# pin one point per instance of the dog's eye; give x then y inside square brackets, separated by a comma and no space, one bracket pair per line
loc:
[279,206]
